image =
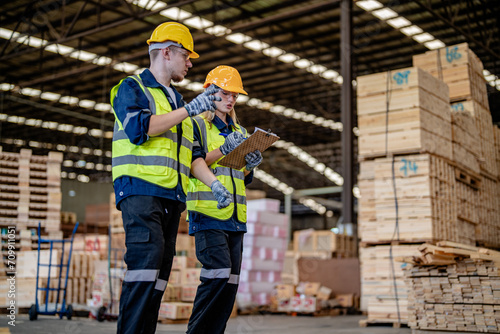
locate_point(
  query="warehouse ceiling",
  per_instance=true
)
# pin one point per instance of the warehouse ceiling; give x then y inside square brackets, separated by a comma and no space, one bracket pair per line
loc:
[59,60]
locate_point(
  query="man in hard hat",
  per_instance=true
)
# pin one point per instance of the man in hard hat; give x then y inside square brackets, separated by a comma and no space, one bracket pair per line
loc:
[219,232]
[153,153]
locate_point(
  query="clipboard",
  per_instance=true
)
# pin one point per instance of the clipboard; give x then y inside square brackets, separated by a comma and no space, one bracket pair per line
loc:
[260,140]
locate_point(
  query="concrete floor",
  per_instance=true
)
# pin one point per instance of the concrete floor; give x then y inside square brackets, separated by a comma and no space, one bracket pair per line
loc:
[262,324]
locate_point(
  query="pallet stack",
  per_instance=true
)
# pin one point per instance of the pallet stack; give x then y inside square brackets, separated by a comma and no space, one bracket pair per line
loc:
[404,121]
[454,288]
[30,190]
[420,155]
[462,71]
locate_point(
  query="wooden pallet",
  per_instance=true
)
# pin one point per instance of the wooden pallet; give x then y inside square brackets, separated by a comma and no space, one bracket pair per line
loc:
[421,331]
[394,323]
[173,321]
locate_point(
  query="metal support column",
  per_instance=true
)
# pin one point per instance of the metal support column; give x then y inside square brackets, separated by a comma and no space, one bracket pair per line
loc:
[347,113]
[288,212]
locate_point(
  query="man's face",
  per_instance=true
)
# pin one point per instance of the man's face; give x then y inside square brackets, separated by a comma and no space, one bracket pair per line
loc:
[180,62]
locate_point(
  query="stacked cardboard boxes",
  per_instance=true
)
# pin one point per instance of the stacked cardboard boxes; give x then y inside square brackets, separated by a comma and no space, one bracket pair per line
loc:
[264,248]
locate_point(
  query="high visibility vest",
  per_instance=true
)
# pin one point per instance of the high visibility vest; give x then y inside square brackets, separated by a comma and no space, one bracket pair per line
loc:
[200,198]
[162,159]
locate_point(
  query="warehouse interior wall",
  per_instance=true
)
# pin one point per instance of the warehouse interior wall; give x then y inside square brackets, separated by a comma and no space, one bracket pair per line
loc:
[77,195]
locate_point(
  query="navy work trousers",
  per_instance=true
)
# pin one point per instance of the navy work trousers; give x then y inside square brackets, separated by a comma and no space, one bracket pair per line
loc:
[151,225]
[220,254]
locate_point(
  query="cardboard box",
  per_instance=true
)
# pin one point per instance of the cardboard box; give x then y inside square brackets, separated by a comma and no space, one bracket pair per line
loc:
[172,293]
[308,288]
[264,204]
[175,277]
[190,276]
[188,292]
[304,304]
[175,310]
[324,293]
[27,263]
[345,300]
[284,305]
[285,291]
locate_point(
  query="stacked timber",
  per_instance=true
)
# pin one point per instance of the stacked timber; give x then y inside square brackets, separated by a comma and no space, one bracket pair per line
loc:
[459,68]
[403,111]
[404,122]
[428,168]
[30,190]
[453,288]
[462,70]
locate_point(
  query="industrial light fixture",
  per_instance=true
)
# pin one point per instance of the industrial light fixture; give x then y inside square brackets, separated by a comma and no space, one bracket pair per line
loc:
[424,37]
[398,22]
[385,13]
[369,5]
[411,30]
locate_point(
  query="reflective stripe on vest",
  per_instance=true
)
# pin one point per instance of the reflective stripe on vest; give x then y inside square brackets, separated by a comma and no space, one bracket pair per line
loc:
[161,159]
[200,198]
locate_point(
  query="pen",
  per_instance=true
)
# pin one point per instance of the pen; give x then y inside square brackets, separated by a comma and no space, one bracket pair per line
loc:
[223,134]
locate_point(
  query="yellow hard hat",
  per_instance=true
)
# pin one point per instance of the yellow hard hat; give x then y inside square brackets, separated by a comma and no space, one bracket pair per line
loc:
[225,77]
[176,32]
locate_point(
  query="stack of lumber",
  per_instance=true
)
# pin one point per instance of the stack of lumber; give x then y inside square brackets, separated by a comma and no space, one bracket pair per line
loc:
[30,189]
[460,68]
[382,279]
[453,287]
[264,248]
[429,158]
[496,133]
[403,111]
[424,188]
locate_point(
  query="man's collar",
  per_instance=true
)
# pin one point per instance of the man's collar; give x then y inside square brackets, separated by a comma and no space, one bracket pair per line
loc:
[149,79]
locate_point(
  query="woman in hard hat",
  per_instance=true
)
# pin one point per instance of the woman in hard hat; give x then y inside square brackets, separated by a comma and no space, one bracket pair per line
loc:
[153,153]
[219,233]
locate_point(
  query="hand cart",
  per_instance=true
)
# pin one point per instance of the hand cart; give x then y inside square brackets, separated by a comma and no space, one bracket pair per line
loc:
[52,309]
[116,271]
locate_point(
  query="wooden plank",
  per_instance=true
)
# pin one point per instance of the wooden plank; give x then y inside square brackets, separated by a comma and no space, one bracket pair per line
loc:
[457,245]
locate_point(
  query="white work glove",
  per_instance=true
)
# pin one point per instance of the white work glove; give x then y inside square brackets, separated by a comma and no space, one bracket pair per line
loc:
[253,159]
[232,141]
[203,102]
[221,194]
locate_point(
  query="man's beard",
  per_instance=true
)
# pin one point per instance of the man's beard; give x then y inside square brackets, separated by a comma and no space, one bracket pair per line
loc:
[177,78]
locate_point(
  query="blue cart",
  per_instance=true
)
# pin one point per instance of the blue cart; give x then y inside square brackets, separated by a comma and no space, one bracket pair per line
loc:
[46,309]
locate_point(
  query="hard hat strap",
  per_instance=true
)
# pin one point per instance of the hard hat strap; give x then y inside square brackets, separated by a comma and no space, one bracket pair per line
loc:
[163,45]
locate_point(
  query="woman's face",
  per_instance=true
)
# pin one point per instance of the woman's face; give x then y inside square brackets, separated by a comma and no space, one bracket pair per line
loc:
[228,100]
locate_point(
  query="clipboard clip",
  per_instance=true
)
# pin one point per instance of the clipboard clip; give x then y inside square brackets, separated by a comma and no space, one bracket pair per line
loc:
[268,132]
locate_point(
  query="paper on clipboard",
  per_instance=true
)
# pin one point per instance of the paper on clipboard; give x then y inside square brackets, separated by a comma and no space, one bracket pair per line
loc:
[259,140]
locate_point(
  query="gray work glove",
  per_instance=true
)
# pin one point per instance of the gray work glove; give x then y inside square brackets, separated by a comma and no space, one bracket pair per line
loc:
[203,102]
[221,194]
[232,141]
[253,159]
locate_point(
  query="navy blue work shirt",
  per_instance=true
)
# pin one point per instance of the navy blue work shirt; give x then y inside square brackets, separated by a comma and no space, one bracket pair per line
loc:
[131,106]
[200,222]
